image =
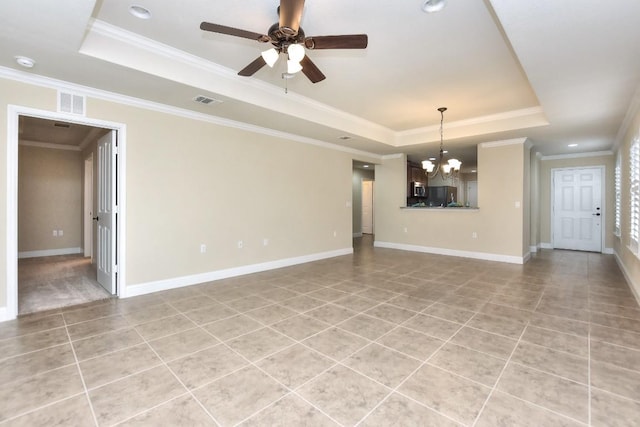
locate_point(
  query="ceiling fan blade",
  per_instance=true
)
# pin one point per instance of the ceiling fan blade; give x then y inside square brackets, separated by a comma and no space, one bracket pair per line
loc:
[346,41]
[251,69]
[216,28]
[310,70]
[290,14]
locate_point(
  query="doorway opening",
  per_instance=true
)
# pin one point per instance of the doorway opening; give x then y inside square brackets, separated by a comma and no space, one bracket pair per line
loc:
[577,212]
[362,203]
[52,240]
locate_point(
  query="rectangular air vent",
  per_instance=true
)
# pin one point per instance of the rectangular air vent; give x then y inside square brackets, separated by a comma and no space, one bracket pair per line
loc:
[206,100]
[71,103]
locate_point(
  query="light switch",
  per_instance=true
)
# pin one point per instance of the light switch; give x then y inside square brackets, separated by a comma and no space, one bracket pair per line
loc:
[517,204]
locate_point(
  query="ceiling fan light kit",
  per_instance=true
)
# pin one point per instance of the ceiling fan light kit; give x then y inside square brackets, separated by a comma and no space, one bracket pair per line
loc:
[270,56]
[286,36]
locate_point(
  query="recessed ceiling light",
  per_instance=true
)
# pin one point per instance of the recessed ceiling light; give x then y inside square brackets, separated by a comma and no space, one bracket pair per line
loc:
[365,166]
[139,12]
[572,145]
[445,151]
[473,170]
[432,158]
[432,6]
[25,62]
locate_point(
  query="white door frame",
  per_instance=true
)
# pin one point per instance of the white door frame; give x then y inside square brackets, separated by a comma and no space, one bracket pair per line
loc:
[603,198]
[13,114]
[87,211]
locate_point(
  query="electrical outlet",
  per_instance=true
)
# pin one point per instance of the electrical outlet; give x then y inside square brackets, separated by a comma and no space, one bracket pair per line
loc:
[474,235]
[55,233]
[240,244]
[203,248]
[335,233]
[405,229]
[265,242]
[60,233]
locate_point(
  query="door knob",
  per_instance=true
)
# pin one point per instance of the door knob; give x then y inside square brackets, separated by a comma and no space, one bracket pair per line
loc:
[596,214]
[98,218]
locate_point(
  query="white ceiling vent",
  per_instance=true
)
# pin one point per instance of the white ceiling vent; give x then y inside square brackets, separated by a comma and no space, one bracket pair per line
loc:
[71,103]
[206,100]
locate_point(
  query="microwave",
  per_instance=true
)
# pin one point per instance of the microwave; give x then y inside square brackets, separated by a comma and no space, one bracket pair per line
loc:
[419,190]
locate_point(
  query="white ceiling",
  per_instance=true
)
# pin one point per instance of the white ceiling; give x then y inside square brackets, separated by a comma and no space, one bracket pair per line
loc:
[558,72]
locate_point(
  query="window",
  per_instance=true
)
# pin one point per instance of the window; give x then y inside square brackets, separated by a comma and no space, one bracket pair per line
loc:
[618,190]
[634,183]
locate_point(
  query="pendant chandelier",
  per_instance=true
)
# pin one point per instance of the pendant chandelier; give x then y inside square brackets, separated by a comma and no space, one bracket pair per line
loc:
[445,168]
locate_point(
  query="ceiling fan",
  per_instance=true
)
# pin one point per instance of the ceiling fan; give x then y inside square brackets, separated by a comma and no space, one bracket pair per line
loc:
[287,37]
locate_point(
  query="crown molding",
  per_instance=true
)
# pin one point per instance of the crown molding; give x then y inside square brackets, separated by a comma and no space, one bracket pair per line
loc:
[51,83]
[49,145]
[578,155]
[489,124]
[514,141]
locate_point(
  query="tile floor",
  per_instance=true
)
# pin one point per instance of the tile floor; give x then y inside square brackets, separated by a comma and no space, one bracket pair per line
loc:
[379,338]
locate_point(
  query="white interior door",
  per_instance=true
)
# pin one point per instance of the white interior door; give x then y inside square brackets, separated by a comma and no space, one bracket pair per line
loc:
[106,217]
[88,206]
[367,207]
[577,209]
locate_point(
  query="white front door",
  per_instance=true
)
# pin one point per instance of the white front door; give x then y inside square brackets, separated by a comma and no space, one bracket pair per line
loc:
[106,217]
[367,207]
[577,209]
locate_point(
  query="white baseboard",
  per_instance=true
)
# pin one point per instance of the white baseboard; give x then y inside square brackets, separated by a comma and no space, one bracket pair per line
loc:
[635,288]
[533,249]
[357,234]
[452,252]
[50,252]
[3,314]
[179,282]
[608,251]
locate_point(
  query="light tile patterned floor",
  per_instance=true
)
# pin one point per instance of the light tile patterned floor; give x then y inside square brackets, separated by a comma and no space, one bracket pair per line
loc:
[379,338]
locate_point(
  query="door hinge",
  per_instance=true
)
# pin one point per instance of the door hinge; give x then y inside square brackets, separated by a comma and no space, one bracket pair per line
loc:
[115,150]
[115,268]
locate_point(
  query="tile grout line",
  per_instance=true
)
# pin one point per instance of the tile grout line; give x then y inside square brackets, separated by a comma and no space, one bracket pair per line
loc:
[253,364]
[396,388]
[495,384]
[84,384]
[187,390]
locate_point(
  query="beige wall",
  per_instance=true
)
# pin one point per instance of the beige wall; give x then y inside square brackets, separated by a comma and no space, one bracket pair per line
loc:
[498,222]
[49,198]
[187,184]
[545,192]
[628,261]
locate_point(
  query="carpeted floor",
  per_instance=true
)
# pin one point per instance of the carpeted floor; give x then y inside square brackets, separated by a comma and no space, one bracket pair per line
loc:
[54,282]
